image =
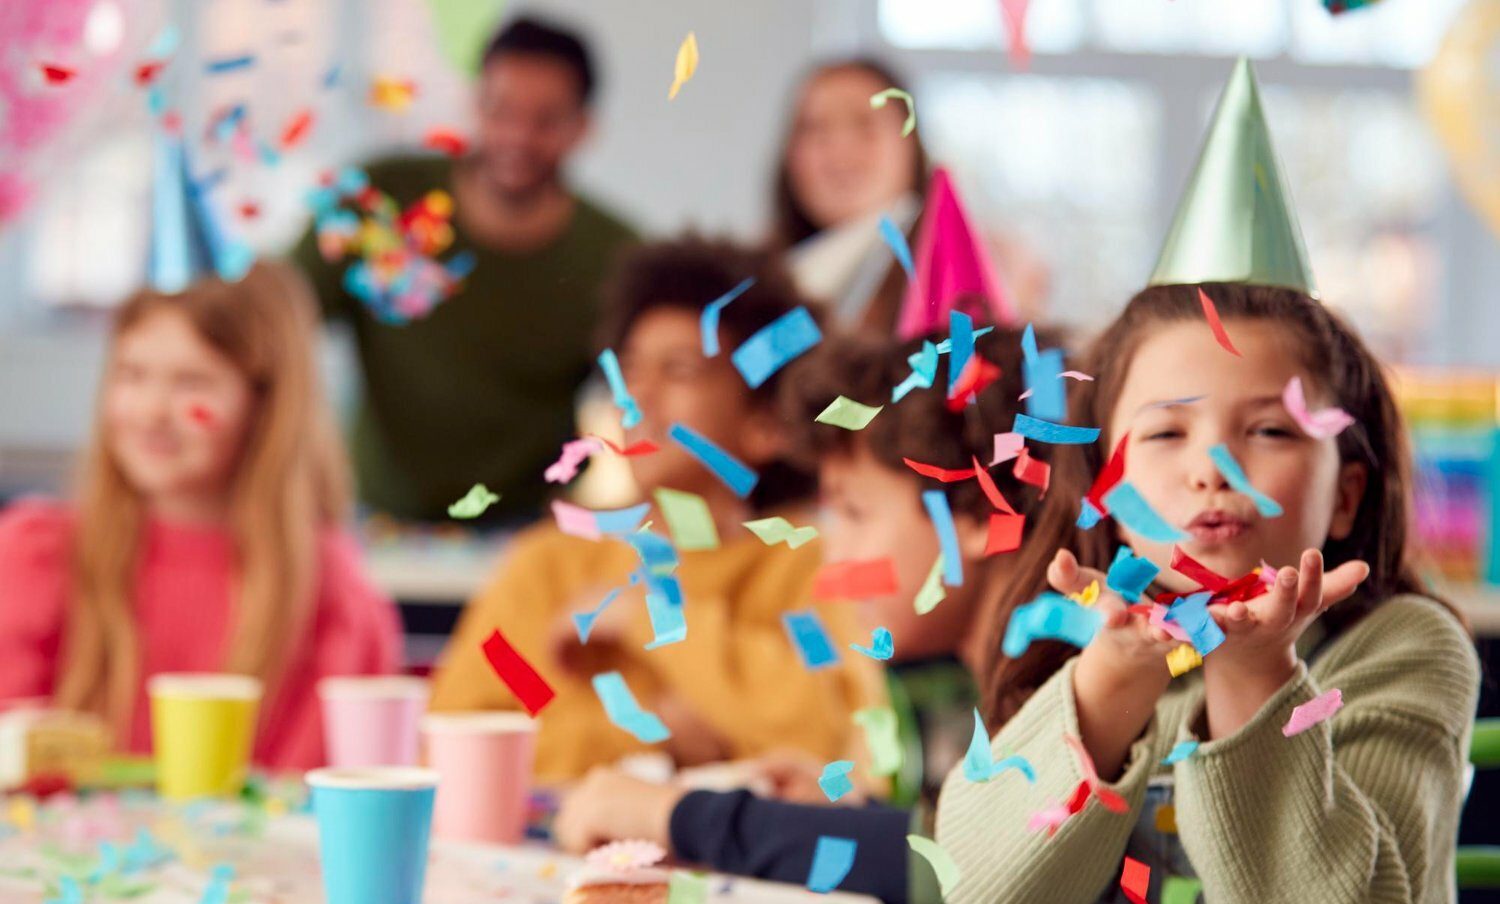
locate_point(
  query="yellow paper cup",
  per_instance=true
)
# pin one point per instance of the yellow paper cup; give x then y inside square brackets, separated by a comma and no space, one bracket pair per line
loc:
[202,729]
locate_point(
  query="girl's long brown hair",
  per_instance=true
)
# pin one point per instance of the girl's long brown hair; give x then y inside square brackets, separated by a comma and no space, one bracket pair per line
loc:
[1339,364]
[291,481]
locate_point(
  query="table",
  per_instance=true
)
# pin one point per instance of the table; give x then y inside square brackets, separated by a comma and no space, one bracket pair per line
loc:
[130,846]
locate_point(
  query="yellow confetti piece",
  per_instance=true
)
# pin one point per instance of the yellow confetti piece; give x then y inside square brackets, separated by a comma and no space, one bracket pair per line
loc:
[1166,819]
[390,93]
[1088,596]
[547,870]
[1183,659]
[849,414]
[687,64]
[22,813]
[878,102]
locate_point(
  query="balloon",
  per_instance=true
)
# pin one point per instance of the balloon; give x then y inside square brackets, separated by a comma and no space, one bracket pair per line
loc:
[463,28]
[1459,92]
[60,61]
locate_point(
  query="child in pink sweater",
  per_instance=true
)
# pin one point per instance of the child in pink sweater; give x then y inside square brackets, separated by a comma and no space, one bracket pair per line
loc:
[205,535]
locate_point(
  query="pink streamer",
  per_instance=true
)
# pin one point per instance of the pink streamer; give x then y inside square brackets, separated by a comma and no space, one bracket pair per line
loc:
[574,454]
[1322,424]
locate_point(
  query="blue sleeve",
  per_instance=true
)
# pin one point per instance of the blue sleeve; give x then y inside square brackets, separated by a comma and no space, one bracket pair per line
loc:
[737,832]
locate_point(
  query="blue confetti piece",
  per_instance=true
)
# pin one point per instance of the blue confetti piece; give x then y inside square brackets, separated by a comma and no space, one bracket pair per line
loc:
[882,645]
[619,522]
[811,640]
[217,891]
[629,410]
[1048,432]
[924,364]
[1043,375]
[1131,509]
[1029,350]
[832,859]
[1225,462]
[961,339]
[1180,751]
[1088,516]
[895,239]
[229,64]
[708,323]
[625,712]
[664,606]
[978,765]
[68,891]
[156,101]
[775,345]
[835,779]
[1191,612]
[1050,616]
[165,43]
[942,520]
[584,621]
[1129,575]
[726,467]
[331,77]
[946,346]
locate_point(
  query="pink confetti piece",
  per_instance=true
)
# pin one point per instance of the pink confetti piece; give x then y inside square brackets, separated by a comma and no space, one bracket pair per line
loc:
[1158,620]
[1007,447]
[1050,818]
[1024,396]
[574,454]
[1077,375]
[1321,424]
[575,520]
[1318,709]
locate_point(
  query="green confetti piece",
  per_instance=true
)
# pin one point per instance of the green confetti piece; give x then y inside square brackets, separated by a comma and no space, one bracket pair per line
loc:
[1180,890]
[849,414]
[880,100]
[474,502]
[687,888]
[776,529]
[947,871]
[932,591]
[688,518]
[881,736]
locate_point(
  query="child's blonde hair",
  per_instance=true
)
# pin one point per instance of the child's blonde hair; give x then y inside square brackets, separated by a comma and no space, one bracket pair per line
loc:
[290,482]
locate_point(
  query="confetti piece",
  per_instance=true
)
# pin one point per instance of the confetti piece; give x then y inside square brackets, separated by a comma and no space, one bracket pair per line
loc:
[1131,509]
[1088,596]
[1211,313]
[878,102]
[1182,659]
[1032,471]
[1135,879]
[776,345]
[1077,375]
[882,737]
[849,414]
[948,874]
[688,519]
[1111,801]
[640,447]
[961,347]
[226,65]
[685,66]
[979,765]
[1181,890]
[574,453]
[731,471]
[835,779]
[1050,818]
[687,888]
[446,141]
[1193,570]
[991,491]
[146,73]
[1322,424]
[57,75]
[578,521]
[1224,460]
[1180,751]
[1048,432]
[931,592]
[630,412]
[658,557]
[882,645]
[936,504]
[895,239]
[1050,616]
[924,364]
[524,681]
[811,639]
[296,129]
[1007,447]
[474,502]
[1318,709]
[623,710]
[946,475]
[1129,575]
[1005,533]
[1108,477]
[1014,14]
[664,607]
[708,321]
[249,210]
[389,93]
[584,621]
[832,859]
[1191,612]
[856,579]
[1042,373]
[776,529]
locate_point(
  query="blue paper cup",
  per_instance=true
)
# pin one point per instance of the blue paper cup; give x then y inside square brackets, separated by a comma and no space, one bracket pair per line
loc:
[373,828]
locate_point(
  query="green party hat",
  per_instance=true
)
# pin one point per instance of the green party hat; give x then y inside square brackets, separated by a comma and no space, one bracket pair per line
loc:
[1235,222]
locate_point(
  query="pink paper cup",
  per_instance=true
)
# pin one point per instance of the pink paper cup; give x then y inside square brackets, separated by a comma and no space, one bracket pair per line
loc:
[485,760]
[372,720]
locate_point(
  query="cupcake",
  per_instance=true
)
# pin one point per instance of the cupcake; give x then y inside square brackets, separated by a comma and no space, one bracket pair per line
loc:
[623,872]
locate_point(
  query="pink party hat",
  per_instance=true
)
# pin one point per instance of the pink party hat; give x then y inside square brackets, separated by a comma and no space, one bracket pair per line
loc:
[951,262]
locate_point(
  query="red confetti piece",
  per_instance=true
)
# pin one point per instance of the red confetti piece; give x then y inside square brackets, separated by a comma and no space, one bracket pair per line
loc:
[855,580]
[249,210]
[1033,471]
[1135,879]
[642,447]
[1193,570]
[446,141]
[946,475]
[171,122]
[1004,534]
[1245,587]
[1110,475]
[987,484]
[200,414]
[57,75]
[524,681]
[296,129]
[977,374]
[1215,324]
[147,72]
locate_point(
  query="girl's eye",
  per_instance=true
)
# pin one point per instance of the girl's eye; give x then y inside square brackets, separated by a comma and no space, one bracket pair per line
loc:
[1162,434]
[1273,430]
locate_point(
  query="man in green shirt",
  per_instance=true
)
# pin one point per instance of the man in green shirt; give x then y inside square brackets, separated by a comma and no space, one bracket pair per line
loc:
[481,389]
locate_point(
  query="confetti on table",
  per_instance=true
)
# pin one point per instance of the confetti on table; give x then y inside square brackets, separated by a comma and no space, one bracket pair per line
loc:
[732,472]
[1050,616]
[936,503]
[931,592]
[524,681]
[1182,659]
[832,859]
[1191,612]
[855,579]
[708,321]
[1318,709]
[584,621]
[776,345]
[574,453]
[979,765]
[225,65]
[1042,431]
[946,475]
[835,779]
[1224,460]
[879,100]
[1212,315]
[57,75]
[630,412]
[685,66]
[895,239]
[624,712]
[1131,509]
[882,737]
[776,529]
[688,519]
[882,645]
[1135,879]
[687,888]
[446,141]
[849,414]
[942,864]
[474,502]
[1322,424]
[1180,751]
[1129,575]
[811,640]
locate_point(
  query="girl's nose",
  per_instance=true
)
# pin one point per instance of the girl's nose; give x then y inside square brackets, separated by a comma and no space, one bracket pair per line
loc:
[1203,475]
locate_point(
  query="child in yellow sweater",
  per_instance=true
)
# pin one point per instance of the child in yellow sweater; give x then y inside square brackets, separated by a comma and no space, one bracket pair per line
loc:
[735,687]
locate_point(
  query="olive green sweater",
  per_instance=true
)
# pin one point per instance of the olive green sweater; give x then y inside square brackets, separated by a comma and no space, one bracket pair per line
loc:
[1361,808]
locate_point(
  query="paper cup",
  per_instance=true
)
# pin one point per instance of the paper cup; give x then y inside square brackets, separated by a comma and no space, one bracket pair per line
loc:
[374,825]
[202,729]
[485,760]
[372,721]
